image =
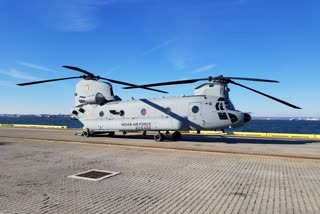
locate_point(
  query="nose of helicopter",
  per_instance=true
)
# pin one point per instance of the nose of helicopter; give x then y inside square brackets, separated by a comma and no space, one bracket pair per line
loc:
[246,117]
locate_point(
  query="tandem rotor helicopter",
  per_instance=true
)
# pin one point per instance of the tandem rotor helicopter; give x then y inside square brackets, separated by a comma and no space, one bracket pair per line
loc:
[210,108]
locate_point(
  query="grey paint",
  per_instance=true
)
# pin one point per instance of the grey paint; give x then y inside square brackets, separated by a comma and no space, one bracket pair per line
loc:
[172,113]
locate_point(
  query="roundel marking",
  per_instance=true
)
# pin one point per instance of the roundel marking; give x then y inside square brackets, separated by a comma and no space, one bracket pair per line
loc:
[143,111]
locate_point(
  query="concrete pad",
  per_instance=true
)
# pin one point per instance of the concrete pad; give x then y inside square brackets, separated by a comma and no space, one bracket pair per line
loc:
[300,148]
[34,178]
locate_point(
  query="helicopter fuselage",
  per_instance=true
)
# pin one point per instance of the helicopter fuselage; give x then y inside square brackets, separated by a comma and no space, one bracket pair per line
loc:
[199,112]
[209,109]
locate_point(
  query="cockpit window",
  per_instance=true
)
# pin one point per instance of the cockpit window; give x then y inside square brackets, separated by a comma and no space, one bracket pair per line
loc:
[229,105]
[217,106]
[223,116]
[224,105]
[221,106]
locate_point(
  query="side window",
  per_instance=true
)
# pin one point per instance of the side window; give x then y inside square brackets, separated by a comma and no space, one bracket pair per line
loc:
[195,109]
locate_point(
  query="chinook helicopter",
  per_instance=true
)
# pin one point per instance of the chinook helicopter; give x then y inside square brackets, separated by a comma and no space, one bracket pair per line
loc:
[210,108]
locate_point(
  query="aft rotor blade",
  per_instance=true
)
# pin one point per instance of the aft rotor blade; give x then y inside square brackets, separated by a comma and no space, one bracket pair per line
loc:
[266,95]
[131,85]
[79,69]
[201,79]
[166,83]
[51,80]
[250,79]
[152,89]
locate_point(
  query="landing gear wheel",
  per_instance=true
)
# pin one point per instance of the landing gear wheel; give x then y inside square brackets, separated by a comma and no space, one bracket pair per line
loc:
[86,133]
[176,136]
[159,137]
[124,133]
[144,133]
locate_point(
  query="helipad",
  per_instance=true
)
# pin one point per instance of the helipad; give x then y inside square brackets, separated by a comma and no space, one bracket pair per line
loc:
[199,175]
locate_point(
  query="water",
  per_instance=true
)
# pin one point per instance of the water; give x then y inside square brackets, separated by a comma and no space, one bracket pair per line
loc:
[281,126]
[35,120]
[256,125]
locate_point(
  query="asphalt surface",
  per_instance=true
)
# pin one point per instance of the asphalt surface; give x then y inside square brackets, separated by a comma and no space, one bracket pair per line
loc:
[201,174]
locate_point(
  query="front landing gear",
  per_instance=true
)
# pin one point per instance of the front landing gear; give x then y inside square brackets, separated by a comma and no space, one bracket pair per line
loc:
[159,137]
[176,136]
[111,134]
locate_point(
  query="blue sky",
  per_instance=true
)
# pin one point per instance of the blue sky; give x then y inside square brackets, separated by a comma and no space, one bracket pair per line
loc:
[146,41]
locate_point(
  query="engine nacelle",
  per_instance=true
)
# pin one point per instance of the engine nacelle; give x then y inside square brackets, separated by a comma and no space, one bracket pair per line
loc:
[98,99]
[213,88]
[93,92]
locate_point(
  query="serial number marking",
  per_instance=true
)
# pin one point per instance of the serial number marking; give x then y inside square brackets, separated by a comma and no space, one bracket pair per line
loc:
[138,126]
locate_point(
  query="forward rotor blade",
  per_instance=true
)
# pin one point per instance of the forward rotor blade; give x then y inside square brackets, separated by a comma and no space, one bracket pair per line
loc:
[266,95]
[166,83]
[250,79]
[51,80]
[110,80]
[132,85]
[117,81]
[79,69]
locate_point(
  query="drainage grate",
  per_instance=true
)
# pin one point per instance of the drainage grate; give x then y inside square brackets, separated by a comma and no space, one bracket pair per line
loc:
[94,175]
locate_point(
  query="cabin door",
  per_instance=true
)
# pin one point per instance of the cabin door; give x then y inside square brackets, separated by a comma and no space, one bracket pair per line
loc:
[195,116]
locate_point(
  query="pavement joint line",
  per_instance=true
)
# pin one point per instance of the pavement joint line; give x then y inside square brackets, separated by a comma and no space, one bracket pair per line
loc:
[155,147]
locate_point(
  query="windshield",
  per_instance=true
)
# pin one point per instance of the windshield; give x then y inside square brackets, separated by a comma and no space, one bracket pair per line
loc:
[229,105]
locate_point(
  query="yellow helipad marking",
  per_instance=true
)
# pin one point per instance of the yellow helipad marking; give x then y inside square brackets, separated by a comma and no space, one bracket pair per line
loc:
[260,134]
[33,126]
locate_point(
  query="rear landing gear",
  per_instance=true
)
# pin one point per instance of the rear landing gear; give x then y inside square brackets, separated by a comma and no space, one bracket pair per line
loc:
[111,134]
[86,133]
[176,136]
[159,137]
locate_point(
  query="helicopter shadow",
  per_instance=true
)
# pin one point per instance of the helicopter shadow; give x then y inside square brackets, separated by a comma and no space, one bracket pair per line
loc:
[216,139]
[242,140]
[5,143]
